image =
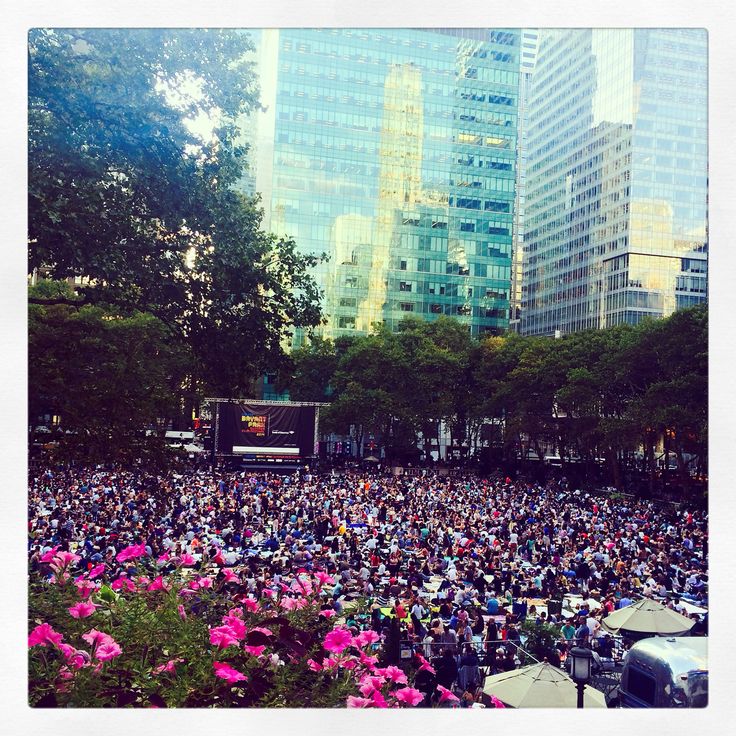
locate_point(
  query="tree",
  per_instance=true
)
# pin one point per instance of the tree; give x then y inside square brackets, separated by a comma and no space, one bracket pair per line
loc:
[107,375]
[124,196]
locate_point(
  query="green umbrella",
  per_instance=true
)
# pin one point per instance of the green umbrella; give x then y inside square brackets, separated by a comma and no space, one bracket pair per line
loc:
[648,617]
[540,686]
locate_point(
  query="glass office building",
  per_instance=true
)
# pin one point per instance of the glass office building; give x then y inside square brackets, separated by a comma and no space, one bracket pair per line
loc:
[616,223]
[393,151]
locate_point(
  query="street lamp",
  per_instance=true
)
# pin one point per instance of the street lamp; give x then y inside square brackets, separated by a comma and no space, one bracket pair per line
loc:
[580,670]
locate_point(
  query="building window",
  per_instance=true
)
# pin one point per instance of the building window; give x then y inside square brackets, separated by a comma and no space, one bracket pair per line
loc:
[405,286]
[435,308]
[406,307]
[346,323]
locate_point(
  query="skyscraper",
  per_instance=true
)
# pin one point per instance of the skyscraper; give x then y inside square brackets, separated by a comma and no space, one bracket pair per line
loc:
[394,152]
[617,178]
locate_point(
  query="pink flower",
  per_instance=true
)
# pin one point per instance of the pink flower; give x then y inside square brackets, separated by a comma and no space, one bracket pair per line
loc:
[236,625]
[96,571]
[408,695]
[365,638]
[292,604]
[230,576]
[447,695]
[48,556]
[394,674]
[314,666]
[301,584]
[355,702]
[187,560]
[368,661]
[425,665]
[251,605]
[223,637]
[226,672]
[255,651]
[269,593]
[165,557]
[218,558]
[123,583]
[76,658]
[182,612]
[43,635]
[170,666]
[370,683]
[63,559]
[131,552]
[85,587]
[327,613]
[378,700]
[96,638]
[107,651]
[337,640]
[496,702]
[158,584]
[323,578]
[82,610]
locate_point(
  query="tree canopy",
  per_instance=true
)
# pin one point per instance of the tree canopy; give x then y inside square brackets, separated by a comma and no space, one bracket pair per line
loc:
[126,198]
[589,396]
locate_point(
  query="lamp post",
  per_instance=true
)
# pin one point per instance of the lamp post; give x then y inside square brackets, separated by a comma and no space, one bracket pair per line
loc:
[582,663]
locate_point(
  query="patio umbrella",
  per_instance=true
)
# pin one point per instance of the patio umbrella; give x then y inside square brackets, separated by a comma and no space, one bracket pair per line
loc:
[540,686]
[648,617]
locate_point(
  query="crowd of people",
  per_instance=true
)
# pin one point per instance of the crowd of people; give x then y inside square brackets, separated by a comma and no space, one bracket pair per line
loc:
[451,565]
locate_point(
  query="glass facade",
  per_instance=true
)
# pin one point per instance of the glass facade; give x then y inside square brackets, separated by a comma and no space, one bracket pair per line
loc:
[617,179]
[394,151]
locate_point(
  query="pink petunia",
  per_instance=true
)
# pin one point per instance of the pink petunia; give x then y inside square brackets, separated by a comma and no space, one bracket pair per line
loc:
[63,559]
[223,637]
[123,583]
[365,638]
[226,672]
[301,585]
[408,695]
[44,635]
[169,666]
[96,638]
[368,661]
[239,629]
[394,674]
[337,640]
[96,571]
[82,610]
[323,578]
[256,651]
[314,666]
[230,576]
[76,658]
[293,604]
[355,702]
[182,612]
[107,651]
[378,700]
[447,695]
[425,665]
[496,702]
[370,683]
[158,584]
[85,588]
[48,556]
[251,605]
[327,613]
[131,552]
[187,560]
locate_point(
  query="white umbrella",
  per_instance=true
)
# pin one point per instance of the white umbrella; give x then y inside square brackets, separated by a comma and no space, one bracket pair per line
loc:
[648,617]
[540,686]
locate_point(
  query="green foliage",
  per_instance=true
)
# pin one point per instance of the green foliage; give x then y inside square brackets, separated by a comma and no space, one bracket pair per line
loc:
[541,640]
[594,394]
[124,196]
